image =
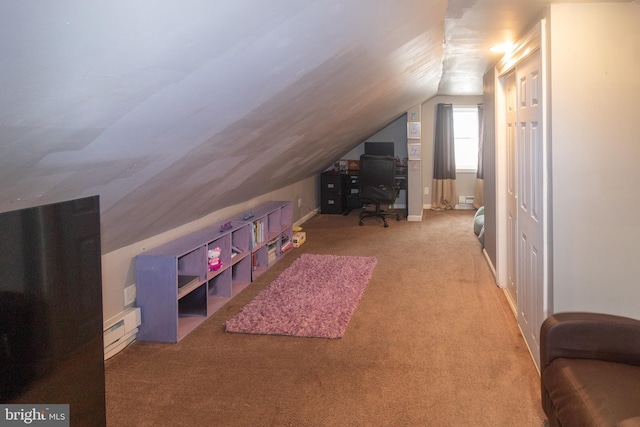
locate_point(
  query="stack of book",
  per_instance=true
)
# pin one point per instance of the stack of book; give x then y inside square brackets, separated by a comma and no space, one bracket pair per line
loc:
[271,250]
[257,234]
[235,251]
[285,243]
[186,283]
[287,246]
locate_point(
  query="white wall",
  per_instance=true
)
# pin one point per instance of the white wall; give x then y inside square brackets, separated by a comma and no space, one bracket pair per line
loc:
[465,182]
[118,267]
[595,102]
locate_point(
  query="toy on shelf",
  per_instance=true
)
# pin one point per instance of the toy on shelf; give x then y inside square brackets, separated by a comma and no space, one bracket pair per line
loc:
[213,256]
[226,226]
[247,215]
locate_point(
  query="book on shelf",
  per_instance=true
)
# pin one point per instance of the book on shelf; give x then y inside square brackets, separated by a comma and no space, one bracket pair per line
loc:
[235,251]
[257,232]
[286,246]
[187,282]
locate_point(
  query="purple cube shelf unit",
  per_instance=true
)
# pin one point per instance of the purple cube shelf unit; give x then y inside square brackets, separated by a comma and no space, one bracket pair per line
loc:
[176,291]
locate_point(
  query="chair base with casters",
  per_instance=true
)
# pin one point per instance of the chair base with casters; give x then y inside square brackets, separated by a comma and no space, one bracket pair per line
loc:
[378,213]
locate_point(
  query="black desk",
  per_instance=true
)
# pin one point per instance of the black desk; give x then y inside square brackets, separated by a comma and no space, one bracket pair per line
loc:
[339,191]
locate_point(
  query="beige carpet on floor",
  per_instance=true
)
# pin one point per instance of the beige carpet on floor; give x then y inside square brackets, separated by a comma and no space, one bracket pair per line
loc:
[433,342]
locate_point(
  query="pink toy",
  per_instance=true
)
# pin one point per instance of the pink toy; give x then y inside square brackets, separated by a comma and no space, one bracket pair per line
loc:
[213,256]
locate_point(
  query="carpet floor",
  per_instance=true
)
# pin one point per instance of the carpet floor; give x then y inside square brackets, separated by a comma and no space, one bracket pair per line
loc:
[433,342]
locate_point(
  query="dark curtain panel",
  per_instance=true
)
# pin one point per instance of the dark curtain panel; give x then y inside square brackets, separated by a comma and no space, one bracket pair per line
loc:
[478,195]
[444,166]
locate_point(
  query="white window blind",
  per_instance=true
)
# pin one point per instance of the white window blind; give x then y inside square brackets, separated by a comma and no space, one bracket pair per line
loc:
[465,130]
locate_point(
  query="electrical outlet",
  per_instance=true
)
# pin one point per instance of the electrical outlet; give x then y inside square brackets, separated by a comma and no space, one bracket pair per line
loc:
[426,191]
[130,294]
[299,201]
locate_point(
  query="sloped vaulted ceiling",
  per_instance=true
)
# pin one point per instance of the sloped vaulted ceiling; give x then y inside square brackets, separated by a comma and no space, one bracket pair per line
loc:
[171,110]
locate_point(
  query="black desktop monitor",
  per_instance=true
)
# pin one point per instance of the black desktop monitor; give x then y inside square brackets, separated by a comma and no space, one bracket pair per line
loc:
[379,148]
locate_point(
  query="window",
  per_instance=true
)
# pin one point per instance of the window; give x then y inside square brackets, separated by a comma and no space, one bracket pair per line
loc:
[465,130]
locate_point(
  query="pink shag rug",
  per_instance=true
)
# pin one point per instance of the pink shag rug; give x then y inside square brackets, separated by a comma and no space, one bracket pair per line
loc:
[314,297]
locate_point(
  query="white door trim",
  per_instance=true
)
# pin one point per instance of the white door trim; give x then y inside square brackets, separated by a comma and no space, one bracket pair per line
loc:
[529,44]
[535,40]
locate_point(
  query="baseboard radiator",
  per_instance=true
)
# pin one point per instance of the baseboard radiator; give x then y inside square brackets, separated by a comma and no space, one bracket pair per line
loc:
[120,331]
[465,202]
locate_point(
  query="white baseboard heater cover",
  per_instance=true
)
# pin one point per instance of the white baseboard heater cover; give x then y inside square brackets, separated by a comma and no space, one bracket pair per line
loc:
[120,331]
[465,200]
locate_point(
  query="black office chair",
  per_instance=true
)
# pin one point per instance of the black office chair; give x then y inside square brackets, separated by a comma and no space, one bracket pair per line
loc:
[377,182]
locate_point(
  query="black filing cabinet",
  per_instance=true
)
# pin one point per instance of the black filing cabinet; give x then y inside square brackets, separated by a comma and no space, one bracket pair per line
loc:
[353,185]
[333,192]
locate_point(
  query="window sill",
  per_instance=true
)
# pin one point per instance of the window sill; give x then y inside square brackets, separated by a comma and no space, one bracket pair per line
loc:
[474,171]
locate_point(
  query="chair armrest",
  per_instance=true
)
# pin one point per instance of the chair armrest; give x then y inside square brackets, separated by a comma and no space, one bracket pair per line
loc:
[590,336]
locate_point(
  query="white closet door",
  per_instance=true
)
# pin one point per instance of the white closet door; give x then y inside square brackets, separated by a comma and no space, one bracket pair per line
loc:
[530,198]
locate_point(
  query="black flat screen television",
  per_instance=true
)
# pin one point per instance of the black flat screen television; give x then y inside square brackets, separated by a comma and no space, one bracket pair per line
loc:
[51,347]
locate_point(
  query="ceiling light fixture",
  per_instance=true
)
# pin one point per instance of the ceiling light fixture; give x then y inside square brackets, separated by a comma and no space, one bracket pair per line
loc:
[502,47]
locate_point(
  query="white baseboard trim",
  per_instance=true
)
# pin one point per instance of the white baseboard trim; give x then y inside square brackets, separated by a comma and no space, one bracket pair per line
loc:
[465,207]
[512,304]
[514,311]
[491,266]
[306,218]
[416,218]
